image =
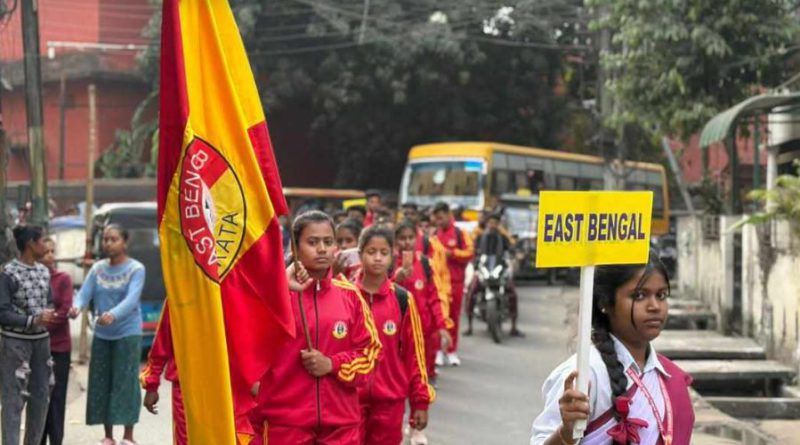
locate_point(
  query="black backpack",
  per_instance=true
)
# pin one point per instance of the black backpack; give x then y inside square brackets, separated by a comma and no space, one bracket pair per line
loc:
[402,299]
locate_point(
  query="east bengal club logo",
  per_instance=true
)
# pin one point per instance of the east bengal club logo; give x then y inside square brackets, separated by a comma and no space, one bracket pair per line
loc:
[340,330]
[419,285]
[389,328]
[212,209]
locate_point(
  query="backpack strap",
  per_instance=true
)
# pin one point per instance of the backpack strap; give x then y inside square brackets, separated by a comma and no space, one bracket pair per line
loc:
[402,299]
[427,268]
[459,238]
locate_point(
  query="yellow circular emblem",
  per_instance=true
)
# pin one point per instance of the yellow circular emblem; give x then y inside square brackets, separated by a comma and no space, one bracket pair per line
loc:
[340,330]
[419,285]
[390,328]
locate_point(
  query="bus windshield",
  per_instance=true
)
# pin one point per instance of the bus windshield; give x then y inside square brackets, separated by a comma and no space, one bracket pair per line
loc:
[455,181]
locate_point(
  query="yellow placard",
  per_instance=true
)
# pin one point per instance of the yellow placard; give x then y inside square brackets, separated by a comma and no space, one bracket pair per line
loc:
[592,228]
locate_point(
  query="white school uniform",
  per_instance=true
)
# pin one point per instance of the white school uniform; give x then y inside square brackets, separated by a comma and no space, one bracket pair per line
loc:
[600,397]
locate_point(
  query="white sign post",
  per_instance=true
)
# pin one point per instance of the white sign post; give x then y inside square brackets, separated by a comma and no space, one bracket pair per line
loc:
[584,339]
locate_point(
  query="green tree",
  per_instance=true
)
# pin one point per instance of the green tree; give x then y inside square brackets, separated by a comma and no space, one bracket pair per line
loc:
[674,64]
[363,91]
[426,71]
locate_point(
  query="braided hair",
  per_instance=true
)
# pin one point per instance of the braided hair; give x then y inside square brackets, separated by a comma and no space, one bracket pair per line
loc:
[607,280]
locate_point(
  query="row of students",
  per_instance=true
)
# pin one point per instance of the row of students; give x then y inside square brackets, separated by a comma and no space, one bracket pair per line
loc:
[358,355]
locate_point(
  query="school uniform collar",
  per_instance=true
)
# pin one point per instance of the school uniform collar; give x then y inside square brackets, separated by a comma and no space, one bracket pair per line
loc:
[624,356]
[385,289]
[325,283]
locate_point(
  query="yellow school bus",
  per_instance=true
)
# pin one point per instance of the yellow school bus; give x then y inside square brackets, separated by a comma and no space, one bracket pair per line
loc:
[300,198]
[476,175]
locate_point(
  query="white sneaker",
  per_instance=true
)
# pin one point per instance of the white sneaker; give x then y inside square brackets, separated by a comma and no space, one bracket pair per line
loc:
[418,437]
[439,358]
[453,359]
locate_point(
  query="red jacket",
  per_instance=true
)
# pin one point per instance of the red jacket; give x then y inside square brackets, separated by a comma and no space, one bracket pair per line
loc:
[430,302]
[459,244]
[161,355]
[401,372]
[369,220]
[61,288]
[342,328]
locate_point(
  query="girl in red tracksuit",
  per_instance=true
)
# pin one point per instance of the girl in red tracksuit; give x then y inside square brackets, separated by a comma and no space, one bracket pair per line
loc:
[162,356]
[401,373]
[310,395]
[415,273]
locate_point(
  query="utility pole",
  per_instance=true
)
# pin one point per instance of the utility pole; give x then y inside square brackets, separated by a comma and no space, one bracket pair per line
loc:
[33,104]
[6,253]
[62,128]
[83,344]
[363,23]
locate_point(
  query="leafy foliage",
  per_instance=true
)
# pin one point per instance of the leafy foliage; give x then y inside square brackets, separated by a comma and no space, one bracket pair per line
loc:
[782,202]
[675,64]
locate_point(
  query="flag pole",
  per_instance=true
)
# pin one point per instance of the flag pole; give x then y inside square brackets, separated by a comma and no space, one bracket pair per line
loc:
[303,318]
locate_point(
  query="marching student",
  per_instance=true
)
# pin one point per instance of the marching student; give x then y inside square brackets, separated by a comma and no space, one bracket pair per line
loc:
[459,251]
[358,213]
[636,395]
[374,204]
[411,213]
[309,396]
[161,358]
[401,373]
[347,259]
[347,234]
[415,272]
[429,245]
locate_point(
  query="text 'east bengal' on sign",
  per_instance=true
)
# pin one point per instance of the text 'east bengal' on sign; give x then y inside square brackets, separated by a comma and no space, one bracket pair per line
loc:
[593,228]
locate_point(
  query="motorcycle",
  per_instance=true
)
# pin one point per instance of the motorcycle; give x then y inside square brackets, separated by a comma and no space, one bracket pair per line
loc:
[491,299]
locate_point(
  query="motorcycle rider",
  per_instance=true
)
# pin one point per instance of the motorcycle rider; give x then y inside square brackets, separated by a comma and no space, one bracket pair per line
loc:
[493,241]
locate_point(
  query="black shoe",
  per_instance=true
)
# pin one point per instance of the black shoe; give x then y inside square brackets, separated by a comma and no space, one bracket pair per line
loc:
[517,333]
[468,332]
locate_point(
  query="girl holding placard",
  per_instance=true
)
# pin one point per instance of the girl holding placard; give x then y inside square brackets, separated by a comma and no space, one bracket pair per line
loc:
[636,395]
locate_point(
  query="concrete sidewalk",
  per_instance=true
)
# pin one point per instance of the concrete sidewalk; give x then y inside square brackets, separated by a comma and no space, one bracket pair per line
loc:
[151,429]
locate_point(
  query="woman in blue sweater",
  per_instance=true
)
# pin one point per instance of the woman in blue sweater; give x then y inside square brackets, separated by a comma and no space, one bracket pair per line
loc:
[114,285]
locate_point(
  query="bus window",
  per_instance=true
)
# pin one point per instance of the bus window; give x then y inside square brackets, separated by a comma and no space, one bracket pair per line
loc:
[501,182]
[457,181]
[536,182]
[565,183]
[499,161]
[592,171]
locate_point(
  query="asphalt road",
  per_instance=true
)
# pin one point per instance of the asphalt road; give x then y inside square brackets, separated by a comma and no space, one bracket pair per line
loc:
[490,400]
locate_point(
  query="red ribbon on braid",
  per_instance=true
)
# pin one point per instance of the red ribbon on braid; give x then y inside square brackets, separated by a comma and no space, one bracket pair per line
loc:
[627,429]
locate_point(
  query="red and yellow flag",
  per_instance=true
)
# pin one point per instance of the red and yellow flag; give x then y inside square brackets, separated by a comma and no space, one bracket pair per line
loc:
[219,195]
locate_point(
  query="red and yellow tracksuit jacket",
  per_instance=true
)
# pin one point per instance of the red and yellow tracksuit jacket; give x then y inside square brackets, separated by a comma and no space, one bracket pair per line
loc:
[422,284]
[161,356]
[401,372]
[432,248]
[342,328]
[462,249]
